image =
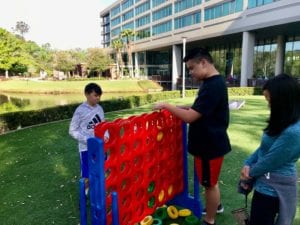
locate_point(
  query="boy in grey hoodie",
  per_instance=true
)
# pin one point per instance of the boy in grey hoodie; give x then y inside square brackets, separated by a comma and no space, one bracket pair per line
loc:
[85,118]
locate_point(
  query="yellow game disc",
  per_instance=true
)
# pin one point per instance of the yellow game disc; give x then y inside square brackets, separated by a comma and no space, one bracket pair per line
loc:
[172,212]
[148,220]
[184,212]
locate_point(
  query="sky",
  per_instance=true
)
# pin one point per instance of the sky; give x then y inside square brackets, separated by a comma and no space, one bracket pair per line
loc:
[65,24]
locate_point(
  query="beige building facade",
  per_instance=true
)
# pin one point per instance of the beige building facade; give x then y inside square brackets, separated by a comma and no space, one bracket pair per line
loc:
[250,40]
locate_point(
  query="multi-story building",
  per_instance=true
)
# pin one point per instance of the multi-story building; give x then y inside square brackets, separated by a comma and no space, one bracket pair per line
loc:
[247,38]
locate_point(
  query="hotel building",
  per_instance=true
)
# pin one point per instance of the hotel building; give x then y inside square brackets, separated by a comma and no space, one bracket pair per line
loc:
[250,40]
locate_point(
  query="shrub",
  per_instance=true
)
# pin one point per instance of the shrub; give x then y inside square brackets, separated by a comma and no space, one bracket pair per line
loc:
[234,91]
[16,120]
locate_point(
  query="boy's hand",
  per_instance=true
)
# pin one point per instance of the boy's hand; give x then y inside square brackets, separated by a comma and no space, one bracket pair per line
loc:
[158,106]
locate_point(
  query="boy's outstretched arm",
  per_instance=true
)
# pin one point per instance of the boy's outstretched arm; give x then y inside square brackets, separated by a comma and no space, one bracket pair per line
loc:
[188,115]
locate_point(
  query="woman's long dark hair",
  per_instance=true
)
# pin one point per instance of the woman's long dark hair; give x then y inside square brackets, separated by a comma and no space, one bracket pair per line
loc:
[284,103]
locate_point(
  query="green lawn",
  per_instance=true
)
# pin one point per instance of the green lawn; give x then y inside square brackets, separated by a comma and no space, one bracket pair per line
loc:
[39,168]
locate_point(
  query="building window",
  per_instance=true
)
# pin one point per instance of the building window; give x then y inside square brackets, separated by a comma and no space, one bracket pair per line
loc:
[106,19]
[141,34]
[264,59]
[227,60]
[106,29]
[187,20]
[162,13]
[116,32]
[157,2]
[256,3]
[185,4]
[236,61]
[162,28]
[127,4]
[223,9]
[115,11]
[128,15]
[292,56]
[106,38]
[129,25]
[142,21]
[226,8]
[142,8]
[115,21]
[219,55]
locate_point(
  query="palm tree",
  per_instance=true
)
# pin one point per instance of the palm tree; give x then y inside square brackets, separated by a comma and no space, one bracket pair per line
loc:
[128,34]
[117,44]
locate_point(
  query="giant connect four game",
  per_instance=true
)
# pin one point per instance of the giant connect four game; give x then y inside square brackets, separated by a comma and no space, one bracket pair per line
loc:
[137,165]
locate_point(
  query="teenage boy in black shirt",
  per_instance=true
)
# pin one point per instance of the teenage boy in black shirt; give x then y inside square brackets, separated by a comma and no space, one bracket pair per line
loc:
[208,118]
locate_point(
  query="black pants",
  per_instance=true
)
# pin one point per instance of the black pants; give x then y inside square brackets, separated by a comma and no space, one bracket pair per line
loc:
[264,209]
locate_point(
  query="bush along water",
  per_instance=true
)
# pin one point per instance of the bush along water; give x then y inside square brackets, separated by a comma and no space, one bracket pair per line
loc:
[16,120]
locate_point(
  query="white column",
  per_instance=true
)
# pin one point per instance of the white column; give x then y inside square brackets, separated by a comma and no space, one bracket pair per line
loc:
[146,66]
[280,55]
[245,4]
[247,57]
[176,64]
[136,62]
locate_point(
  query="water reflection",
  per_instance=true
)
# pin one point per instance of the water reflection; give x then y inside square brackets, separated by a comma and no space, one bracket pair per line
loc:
[21,102]
[9,103]
[3,99]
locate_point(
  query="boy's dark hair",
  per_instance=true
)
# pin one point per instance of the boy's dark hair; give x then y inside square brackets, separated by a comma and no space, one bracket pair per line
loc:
[198,54]
[284,103]
[89,88]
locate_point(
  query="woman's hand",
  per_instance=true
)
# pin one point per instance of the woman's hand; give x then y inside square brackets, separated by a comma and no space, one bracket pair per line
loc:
[245,173]
[245,178]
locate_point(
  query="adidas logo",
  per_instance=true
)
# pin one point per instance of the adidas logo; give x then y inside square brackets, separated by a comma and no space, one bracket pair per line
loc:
[94,122]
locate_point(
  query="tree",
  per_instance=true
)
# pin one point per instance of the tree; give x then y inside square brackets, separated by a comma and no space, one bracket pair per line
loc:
[63,61]
[79,58]
[42,56]
[129,34]
[97,60]
[78,55]
[117,44]
[21,28]
[12,53]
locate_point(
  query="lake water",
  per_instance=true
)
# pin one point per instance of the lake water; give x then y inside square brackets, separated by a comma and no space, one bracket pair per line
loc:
[20,102]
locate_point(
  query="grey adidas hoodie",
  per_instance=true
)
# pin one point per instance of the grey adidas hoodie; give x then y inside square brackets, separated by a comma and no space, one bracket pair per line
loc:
[83,122]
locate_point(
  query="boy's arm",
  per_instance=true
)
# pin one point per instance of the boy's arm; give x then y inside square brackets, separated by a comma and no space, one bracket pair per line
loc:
[187,115]
[187,107]
[74,129]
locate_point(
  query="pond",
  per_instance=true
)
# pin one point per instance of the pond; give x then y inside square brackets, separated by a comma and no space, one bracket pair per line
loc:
[11,102]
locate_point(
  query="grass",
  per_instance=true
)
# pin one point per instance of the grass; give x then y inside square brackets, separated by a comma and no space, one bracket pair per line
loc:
[33,86]
[39,168]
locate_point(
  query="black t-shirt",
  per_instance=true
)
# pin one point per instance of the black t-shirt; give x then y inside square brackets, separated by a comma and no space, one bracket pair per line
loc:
[207,136]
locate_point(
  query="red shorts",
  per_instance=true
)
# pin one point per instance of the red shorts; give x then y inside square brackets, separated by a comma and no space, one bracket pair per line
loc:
[208,171]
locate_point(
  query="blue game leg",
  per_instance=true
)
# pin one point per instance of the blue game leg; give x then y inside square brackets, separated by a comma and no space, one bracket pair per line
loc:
[82,202]
[115,208]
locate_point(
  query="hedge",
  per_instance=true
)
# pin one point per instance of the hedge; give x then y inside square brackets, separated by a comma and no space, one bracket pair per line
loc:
[15,120]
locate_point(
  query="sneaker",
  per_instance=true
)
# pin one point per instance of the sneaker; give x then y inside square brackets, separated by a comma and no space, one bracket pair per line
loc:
[206,223]
[219,210]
